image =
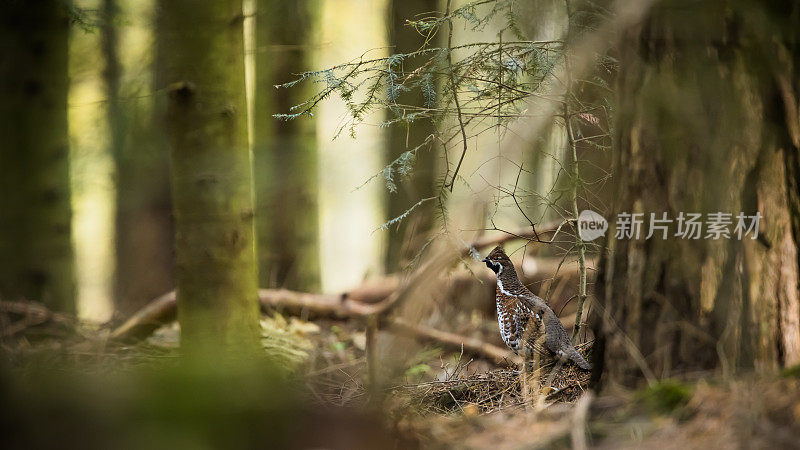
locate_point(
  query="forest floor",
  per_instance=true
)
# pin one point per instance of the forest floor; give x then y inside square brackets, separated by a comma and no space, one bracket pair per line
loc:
[447,400]
[428,398]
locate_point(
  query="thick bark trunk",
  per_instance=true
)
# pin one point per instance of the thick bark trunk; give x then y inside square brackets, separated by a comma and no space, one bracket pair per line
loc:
[695,136]
[285,151]
[211,172]
[36,254]
[406,239]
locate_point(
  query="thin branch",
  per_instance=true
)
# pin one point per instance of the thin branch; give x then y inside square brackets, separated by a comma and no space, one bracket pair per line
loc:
[575,187]
[455,98]
[453,341]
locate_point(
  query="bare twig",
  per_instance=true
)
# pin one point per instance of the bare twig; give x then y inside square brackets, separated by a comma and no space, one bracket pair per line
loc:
[526,233]
[455,97]
[581,246]
[372,357]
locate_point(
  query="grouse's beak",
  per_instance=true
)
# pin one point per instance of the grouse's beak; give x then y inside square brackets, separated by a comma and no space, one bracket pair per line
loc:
[483,260]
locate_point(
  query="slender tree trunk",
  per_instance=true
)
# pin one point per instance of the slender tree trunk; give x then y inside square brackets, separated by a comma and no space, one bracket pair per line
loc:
[211,172]
[548,22]
[404,241]
[36,254]
[111,74]
[699,132]
[285,151]
[143,234]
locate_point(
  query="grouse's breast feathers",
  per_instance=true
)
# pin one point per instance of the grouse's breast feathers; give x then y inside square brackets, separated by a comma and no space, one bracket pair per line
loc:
[524,317]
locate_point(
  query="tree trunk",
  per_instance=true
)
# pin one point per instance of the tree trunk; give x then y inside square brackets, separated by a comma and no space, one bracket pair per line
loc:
[211,173]
[406,239]
[144,231]
[698,132]
[285,151]
[36,254]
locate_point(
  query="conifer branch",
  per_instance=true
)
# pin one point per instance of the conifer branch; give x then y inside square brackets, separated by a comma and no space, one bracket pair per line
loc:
[455,98]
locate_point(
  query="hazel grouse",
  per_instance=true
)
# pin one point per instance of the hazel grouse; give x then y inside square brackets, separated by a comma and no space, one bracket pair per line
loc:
[524,317]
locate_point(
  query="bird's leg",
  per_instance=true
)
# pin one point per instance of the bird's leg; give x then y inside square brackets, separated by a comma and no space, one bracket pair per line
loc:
[537,361]
[526,389]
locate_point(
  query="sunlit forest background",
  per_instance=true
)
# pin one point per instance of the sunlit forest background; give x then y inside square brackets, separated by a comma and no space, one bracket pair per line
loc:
[263,223]
[348,248]
[350,212]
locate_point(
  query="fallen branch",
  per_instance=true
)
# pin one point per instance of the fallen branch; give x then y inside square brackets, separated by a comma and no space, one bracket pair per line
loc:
[452,341]
[331,306]
[144,321]
[374,297]
[164,309]
[32,313]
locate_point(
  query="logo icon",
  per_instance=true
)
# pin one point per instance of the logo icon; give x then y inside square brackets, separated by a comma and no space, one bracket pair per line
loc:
[591,225]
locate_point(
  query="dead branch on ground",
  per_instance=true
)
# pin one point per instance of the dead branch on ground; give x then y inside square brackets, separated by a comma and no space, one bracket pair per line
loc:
[374,298]
[32,314]
[452,341]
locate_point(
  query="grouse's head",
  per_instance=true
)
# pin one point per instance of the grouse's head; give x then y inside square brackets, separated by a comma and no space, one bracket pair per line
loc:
[497,260]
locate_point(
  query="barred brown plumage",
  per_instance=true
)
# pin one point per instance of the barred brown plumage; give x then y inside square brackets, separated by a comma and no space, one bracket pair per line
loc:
[524,317]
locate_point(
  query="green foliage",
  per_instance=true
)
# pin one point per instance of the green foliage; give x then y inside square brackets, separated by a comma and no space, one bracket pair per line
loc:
[791,371]
[417,371]
[467,89]
[359,82]
[88,20]
[491,79]
[396,221]
[665,396]
[285,342]
[400,167]
[394,85]
[174,404]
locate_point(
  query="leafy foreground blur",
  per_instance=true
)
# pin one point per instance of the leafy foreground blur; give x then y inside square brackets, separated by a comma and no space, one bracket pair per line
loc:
[66,389]
[79,392]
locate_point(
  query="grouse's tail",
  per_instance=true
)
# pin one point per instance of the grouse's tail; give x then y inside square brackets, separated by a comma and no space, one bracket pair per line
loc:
[578,359]
[567,351]
[558,341]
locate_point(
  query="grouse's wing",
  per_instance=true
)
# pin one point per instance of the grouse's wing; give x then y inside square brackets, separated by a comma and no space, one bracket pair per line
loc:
[556,334]
[535,303]
[530,326]
[528,322]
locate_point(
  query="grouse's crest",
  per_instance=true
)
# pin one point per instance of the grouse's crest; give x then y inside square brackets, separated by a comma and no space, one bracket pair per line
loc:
[496,259]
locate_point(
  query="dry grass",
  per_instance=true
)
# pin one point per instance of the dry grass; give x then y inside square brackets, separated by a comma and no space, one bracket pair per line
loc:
[495,390]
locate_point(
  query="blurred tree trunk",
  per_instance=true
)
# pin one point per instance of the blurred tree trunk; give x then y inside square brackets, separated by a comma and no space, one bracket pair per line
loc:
[211,172]
[405,240]
[287,215]
[36,254]
[546,21]
[702,128]
[144,235]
